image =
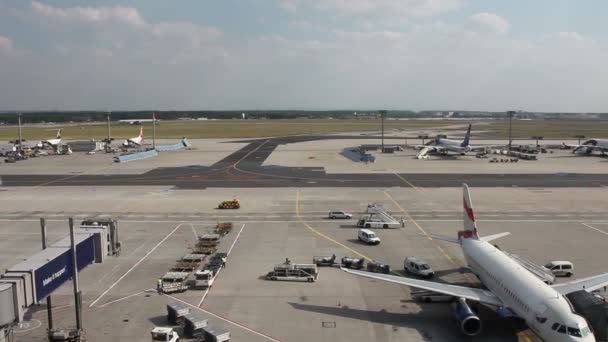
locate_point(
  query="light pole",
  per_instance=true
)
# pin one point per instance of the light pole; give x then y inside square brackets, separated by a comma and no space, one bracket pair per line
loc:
[424,136]
[510,114]
[20,137]
[579,137]
[108,148]
[382,115]
[154,131]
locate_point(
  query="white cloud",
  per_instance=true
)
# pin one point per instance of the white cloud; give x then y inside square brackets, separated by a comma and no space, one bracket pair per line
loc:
[289,5]
[381,7]
[127,15]
[570,35]
[491,21]
[6,44]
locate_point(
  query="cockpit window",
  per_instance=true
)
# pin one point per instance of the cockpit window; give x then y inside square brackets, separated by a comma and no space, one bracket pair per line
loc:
[562,329]
[425,267]
[555,326]
[574,332]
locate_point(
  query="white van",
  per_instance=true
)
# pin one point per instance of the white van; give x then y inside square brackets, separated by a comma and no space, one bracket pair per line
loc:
[418,267]
[368,236]
[560,268]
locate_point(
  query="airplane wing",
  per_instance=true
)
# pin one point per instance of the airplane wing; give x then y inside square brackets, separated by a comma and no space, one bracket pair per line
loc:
[475,294]
[489,238]
[588,284]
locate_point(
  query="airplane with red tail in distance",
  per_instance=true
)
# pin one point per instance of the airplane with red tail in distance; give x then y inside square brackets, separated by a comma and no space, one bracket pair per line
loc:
[508,287]
[52,142]
[136,141]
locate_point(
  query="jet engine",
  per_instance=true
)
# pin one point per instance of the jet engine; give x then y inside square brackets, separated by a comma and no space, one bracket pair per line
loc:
[467,320]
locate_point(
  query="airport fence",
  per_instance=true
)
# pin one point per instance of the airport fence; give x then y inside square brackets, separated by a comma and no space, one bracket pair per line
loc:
[135,156]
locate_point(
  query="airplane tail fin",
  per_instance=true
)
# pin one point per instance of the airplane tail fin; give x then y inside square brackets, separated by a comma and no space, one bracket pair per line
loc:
[141,132]
[470,227]
[467,137]
[58,134]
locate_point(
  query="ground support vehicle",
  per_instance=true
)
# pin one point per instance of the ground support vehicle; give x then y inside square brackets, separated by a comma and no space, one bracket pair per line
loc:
[230,204]
[354,263]
[294,272]
[325,260]
[378,267]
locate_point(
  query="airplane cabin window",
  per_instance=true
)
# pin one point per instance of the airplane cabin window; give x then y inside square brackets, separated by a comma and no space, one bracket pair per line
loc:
[562,329]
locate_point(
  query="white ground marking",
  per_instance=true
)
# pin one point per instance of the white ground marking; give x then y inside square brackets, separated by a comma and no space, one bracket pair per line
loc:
[134,266]
[596,229]
[200,303]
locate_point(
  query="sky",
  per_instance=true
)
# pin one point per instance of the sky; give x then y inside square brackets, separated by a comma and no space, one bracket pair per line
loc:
[495,55]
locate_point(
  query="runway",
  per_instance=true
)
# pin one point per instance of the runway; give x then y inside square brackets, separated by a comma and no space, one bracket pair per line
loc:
[244,169]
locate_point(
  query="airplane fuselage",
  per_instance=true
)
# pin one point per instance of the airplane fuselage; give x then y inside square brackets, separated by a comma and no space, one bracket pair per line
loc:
[453,146]
[523,293]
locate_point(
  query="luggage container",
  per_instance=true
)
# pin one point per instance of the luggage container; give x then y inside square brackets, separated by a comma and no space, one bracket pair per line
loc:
[213,334]
[194,325]
[176,312]
[325,260]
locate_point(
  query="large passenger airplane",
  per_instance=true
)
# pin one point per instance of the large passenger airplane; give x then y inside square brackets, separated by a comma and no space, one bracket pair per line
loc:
[53,142]
[444,146]
[137,141]
[508,287]
[590,146]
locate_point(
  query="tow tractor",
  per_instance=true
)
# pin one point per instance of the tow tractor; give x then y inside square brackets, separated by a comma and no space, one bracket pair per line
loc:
[164,334]
[203,279]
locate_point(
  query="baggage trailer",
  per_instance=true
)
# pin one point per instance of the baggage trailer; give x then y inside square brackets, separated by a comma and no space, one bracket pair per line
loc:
[223,228]
[194,324]
[204,250]
[326,260]
[378,267]
[294,272]
[353,263]
[176,312]
[213,334]
[174,282]
[208,240]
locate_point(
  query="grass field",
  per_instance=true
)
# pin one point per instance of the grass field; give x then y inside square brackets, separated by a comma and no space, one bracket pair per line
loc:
[268,128]
[216,128]
[549,128]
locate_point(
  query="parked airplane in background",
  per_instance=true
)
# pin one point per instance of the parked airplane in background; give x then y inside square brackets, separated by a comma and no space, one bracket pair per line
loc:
[137,141]
[52,142]
[590,146]
[508,286]
[443,146]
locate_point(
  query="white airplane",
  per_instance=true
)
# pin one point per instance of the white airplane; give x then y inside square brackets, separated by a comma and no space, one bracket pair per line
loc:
[590,146]
[137,141]
[509,287]
[52,142]
[444,146]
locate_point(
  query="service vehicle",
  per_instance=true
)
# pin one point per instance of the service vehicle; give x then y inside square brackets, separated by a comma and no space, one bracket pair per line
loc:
[203,279]
[418,267]
[294,272]
[354,263]
[174,282]
[378,267]
[164,334]
[339,215]
[368,236]
[230,204]
[561,268]
[325,260]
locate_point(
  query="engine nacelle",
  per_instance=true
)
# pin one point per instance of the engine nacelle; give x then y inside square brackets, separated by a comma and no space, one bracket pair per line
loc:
[468,321]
